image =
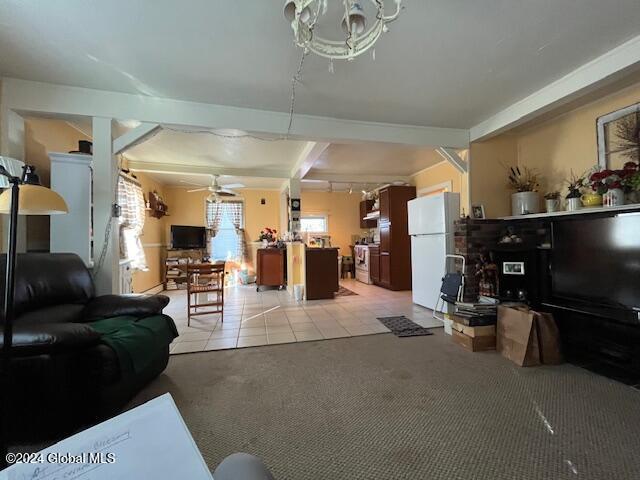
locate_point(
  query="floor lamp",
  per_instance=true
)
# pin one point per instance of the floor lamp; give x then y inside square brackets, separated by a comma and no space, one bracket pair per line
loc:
[24,197]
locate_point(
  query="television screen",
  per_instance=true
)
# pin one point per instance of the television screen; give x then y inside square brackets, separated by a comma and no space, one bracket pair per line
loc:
[188,237]
[597,260]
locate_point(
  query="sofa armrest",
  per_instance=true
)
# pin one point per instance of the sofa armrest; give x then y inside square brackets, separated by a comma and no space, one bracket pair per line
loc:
[106,306]
[50,338]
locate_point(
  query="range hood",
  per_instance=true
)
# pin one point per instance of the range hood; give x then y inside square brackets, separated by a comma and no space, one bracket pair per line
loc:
[373,215]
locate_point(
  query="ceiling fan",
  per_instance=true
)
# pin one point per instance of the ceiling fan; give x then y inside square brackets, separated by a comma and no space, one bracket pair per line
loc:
[216,190]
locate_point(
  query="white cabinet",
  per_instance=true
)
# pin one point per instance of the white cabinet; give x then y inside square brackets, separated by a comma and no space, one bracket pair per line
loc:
[71,177]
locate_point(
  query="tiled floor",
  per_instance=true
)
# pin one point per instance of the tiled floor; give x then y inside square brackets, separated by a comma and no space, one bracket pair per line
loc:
[272,317]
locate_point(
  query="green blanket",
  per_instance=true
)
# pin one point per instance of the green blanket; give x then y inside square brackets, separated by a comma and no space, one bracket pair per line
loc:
[136,342]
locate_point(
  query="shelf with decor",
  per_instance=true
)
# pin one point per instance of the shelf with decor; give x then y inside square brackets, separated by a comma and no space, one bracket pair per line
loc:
[156,206]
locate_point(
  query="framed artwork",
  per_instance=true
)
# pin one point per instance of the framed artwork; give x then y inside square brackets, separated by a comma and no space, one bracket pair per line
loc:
[619,137]
[477,211]
[513,268]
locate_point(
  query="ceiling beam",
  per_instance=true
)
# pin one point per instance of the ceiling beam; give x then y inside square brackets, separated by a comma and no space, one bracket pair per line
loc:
[134,137]
[153,167]
[47,99]
[605,69]
[308,157]
[451,156]
[355,178]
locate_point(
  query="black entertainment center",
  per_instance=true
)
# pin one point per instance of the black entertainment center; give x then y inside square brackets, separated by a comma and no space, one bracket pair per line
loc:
[585,269]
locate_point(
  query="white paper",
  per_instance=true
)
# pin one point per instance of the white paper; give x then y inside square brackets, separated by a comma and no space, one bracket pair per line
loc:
[148,442]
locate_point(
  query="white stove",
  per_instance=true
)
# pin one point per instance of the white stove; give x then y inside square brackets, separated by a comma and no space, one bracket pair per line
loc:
[362,263]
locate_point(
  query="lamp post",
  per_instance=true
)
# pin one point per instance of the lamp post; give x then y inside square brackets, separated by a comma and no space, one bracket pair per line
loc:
[32,199]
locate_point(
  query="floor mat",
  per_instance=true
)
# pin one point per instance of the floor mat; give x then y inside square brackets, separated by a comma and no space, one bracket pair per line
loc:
[403,327]
[344,292]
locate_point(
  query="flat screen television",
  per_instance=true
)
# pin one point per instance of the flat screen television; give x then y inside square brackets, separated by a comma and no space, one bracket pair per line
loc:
[597,260]
[188,237]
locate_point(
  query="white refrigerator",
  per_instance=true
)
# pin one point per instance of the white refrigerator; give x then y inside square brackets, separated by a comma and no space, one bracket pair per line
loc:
[431,228]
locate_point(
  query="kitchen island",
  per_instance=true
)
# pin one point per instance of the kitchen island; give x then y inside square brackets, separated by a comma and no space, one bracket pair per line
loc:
[321,268]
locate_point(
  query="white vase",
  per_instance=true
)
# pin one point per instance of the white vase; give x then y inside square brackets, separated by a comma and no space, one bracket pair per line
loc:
[574,204]
[523,203]
[613,198]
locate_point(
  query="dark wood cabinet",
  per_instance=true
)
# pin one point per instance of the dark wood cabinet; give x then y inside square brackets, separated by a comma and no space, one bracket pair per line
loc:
[272,267]
[395,242]
[374,264]
[365,207]
[321,265]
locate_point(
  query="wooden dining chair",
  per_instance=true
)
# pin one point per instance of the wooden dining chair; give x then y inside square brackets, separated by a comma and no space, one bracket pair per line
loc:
[207,278]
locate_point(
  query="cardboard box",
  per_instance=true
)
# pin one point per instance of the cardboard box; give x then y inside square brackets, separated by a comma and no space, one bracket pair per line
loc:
[474,344]
[528,338]
[486,331]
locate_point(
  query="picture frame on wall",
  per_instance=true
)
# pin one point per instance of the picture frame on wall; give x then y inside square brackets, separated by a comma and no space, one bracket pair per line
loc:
[618,139]
[477,212]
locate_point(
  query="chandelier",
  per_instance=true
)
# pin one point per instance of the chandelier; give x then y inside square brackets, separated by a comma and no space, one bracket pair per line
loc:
[361,33]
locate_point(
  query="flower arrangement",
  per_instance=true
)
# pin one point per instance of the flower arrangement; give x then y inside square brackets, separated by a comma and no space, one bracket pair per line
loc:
[523,180]
[268,234]
[601,181]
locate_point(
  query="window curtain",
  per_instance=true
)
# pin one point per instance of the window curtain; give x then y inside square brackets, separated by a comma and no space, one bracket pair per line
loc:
[235,211]
[131,221]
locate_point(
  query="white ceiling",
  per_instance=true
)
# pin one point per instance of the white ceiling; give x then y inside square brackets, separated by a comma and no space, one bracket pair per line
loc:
[444,63]
[178,180]
[374,159]
[203,149]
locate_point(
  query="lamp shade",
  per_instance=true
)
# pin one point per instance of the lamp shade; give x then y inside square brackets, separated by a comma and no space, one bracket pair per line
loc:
[34,200]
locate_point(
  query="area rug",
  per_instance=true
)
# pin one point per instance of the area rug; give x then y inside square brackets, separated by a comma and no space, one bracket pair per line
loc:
[344,292]
[403,327]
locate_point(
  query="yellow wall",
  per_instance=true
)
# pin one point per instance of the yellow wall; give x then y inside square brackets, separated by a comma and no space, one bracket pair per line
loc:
[569,141]
[441,173]
[343,210]
[553,148]
[41,137]
[488,174]
[153,241]
[189,209]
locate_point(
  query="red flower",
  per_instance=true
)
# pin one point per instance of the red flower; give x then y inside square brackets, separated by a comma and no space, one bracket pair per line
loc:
[630,167]
[615,184]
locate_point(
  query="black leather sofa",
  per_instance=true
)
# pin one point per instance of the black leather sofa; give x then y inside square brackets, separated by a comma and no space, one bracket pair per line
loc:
[63,375]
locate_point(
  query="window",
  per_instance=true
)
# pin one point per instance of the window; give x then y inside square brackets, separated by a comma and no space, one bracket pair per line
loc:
[314,223]
[226,222]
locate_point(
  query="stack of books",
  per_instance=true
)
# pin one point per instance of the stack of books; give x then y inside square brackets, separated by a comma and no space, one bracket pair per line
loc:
[483,312]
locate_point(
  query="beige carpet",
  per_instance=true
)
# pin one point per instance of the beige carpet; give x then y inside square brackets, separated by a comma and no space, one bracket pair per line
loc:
[381,407]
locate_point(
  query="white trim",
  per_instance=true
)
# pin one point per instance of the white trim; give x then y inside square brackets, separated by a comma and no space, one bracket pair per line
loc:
[153,245]
[605,69]
[63,100]
[175,168]
[436,188]
[582,211]
[451,156]
[134,137]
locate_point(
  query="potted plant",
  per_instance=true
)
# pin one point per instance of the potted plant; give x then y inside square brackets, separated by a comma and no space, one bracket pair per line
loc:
[611,184]
[631,182]
[524,181]
[552,201]
[267,236]
[574,187]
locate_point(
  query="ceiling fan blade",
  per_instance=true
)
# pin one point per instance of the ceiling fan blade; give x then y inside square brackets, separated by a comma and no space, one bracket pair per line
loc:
[192,183]
[233,185]
[198,190]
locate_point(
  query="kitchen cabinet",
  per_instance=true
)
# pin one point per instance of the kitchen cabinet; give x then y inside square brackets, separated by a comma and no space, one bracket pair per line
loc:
[365,207]
[374,263]
[272,270]
[395,242]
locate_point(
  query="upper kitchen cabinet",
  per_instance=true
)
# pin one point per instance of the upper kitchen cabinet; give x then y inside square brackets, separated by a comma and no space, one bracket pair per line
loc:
[395,242]
[366,206]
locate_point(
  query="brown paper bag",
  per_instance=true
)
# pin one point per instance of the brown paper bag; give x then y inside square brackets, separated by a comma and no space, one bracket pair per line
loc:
[528,338]
[516,336]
